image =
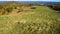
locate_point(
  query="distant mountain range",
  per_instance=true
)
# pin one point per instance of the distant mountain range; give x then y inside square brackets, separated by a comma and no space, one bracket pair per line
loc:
[33,2]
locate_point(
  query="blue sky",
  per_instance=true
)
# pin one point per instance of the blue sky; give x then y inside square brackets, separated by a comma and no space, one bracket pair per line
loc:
[33,0]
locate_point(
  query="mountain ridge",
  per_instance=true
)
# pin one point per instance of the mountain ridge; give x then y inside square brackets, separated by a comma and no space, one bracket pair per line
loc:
[32,2]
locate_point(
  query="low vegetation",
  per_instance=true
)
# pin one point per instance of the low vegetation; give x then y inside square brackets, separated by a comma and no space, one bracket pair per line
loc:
[55,7]
[37,20]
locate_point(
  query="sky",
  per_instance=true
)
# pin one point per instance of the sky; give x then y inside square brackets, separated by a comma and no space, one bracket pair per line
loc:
[33,0]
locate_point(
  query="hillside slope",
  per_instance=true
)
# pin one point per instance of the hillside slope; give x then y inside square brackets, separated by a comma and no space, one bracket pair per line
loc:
[41,20]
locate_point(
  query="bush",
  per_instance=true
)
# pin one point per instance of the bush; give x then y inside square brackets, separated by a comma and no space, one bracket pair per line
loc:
[33,7]
[55,7]
[9,9]
[1,6]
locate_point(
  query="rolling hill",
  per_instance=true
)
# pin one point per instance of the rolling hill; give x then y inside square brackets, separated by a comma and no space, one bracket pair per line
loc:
[38,20]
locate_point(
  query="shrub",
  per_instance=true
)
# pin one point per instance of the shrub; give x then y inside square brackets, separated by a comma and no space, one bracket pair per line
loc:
[55,7]
[9,9]
[33,7]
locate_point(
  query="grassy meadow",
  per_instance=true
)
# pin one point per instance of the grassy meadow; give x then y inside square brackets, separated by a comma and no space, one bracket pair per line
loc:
[41,20]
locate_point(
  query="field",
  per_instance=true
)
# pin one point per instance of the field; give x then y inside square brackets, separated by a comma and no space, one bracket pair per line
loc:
[40,20]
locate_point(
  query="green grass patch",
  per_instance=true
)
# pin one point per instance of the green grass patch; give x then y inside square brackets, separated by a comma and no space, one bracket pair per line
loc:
[41,20]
